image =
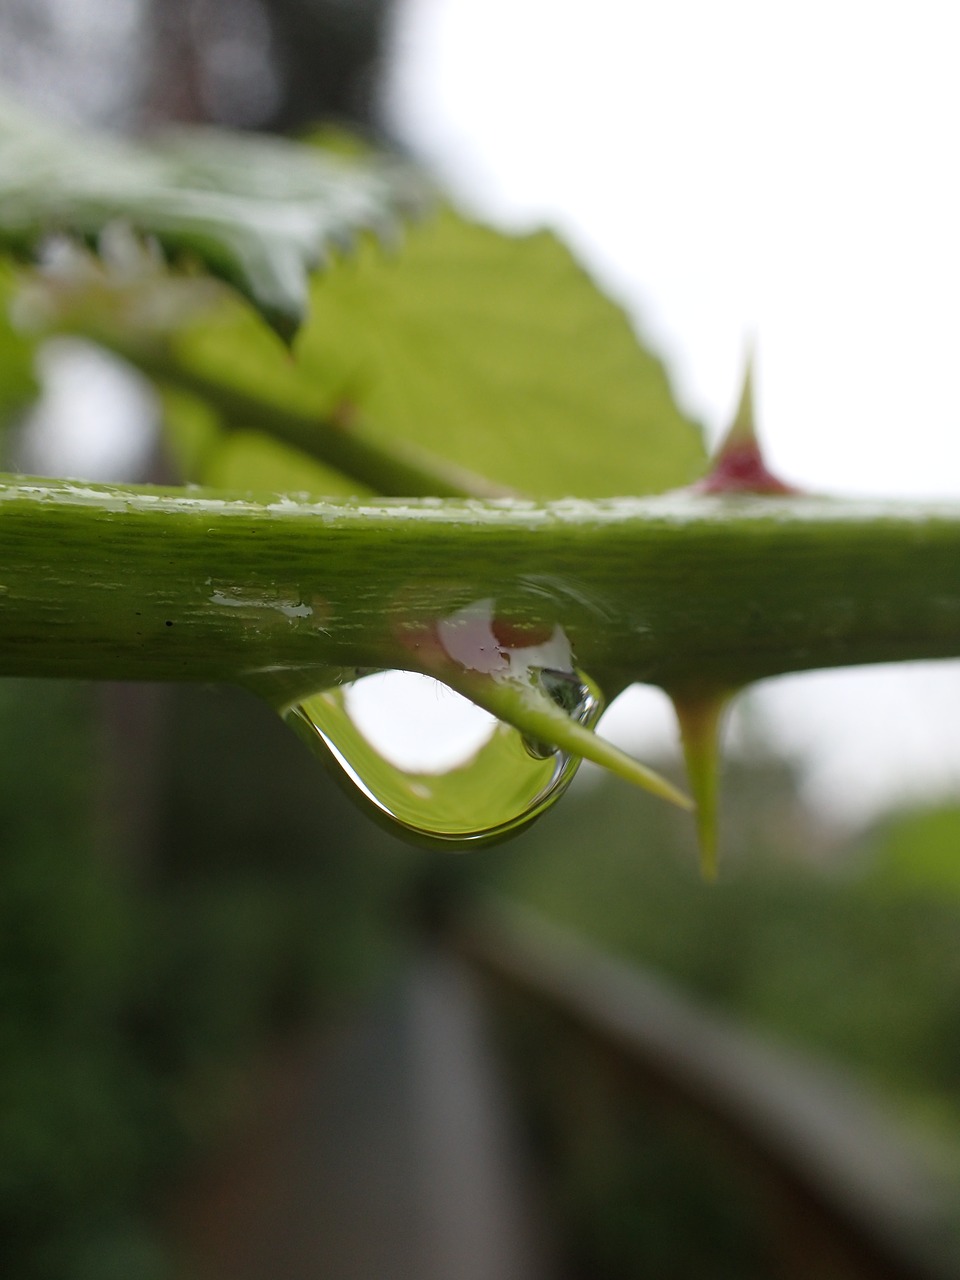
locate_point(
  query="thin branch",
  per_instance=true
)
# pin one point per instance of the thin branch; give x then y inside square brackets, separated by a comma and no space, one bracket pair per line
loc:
[392,467]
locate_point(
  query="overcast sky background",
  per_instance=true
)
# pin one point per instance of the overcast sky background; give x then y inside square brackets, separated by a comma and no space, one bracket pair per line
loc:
[782,171]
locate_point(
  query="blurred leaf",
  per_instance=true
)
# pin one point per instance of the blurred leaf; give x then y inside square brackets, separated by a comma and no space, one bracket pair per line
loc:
[259,212]
[496,353]
[18,384]
[501,354]
[920,853]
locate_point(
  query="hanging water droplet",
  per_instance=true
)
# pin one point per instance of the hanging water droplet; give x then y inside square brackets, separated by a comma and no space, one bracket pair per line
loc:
[430,764]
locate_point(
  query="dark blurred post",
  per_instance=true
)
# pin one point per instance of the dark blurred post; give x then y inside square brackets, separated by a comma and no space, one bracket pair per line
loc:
[328,56]
[268,64]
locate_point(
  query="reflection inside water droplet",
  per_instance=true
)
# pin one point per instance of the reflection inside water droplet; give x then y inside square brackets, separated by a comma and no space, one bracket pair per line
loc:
[574,695]
[416,723]
[433,766]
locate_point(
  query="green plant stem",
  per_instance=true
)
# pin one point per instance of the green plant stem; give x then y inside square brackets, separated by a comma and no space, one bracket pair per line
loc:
[683,590]
[387,466]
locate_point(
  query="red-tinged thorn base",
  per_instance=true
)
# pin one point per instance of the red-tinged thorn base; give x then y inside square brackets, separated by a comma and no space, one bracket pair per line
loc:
[739,466]
[741,469]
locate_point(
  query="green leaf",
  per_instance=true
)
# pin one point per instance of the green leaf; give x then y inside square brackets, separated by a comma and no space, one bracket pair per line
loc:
[258,212]
[18,385]
[501,354]
[496,353]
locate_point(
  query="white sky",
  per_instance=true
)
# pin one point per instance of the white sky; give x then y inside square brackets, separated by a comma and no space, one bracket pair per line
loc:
[782,171]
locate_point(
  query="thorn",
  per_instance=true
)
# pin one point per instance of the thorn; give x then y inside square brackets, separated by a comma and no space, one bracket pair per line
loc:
[701,721]
[739,465]
[743,429]
[523,705]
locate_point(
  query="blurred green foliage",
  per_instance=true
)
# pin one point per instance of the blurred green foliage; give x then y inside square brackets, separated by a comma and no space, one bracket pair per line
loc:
[79,1128]
[133,997]
[850,950]
[843,951]
[18,384]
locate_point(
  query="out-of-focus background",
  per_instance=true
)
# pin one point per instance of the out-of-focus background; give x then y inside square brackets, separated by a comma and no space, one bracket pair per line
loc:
[230,1042]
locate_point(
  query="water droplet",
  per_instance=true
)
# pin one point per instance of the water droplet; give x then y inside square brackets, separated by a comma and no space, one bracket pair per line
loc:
[431,765]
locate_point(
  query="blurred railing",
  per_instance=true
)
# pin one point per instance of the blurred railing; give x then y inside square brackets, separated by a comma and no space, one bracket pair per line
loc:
[388,1147]
[825,1155]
